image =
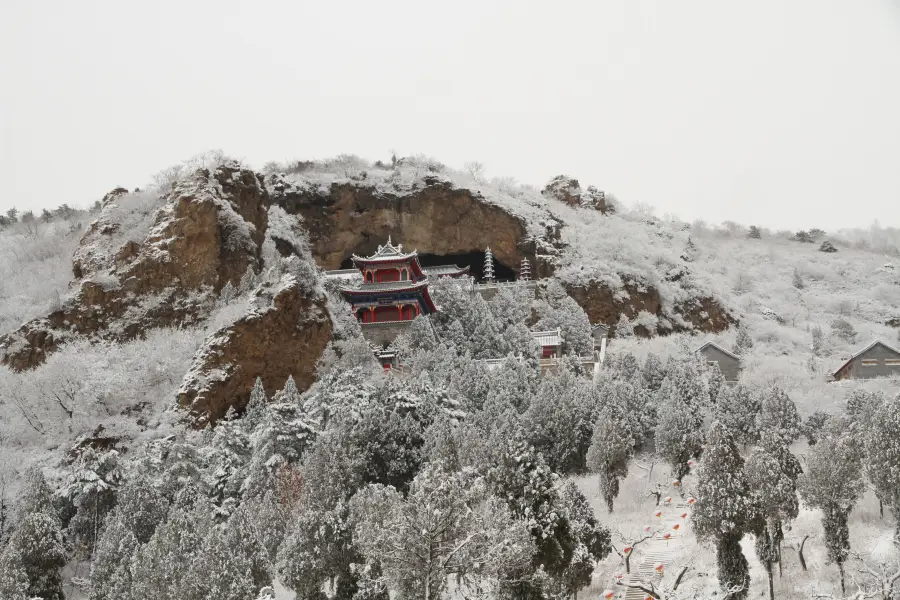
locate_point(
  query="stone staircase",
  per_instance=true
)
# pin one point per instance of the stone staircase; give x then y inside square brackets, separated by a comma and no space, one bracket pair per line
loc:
[656,550]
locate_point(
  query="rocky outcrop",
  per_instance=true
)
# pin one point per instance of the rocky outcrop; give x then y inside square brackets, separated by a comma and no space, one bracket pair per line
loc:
[282,335]
[606,305]
[135,273]
[567,190]
[437,218]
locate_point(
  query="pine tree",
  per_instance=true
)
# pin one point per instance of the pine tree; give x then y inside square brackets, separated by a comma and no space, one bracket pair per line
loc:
[797,280]
[232,563]
[289,394]
[653,372]
[161,567]
[743,343]
[558,422]
[883,449]
[612,446]
[448,525]
[111,564]
[592,541]
[91,490]
[723,507]
[679,436]
[772,473]
[488,266]
[755,233]
[13,577]
[778,415]
[38,541]
[624,329]
[834,482]
[737,408]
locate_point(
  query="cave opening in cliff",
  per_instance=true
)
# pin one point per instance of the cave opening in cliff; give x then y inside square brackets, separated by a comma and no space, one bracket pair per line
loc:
[474,260]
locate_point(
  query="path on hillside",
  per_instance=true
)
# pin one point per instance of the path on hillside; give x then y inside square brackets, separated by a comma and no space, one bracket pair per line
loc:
[657,550]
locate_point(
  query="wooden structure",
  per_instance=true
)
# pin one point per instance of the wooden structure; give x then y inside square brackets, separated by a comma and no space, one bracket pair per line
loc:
[391,290]
[729,363]
[875,360]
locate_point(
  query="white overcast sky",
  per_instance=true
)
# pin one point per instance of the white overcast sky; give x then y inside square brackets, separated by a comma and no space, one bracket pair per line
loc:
[779,112]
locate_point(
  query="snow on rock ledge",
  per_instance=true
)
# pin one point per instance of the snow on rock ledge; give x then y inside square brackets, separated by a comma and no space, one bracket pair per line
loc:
[283,334]
[148,262]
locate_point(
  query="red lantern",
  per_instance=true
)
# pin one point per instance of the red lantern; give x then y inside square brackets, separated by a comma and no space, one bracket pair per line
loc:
[627,549]
[608,594]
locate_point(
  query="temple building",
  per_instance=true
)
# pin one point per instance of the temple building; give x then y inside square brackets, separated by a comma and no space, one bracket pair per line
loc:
[392,290]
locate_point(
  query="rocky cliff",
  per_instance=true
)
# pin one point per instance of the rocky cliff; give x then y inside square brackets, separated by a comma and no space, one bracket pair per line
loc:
[282,334]
[128,279]
[149,262]
[437,216]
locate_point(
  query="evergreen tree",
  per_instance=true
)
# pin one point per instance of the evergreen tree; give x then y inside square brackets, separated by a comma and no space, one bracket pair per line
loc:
[111,564]
[883,453]
[653,372]
[592,541]
[91,490]
[743,343]
[318,546]
[232,563]
[723,508]
[737,408]
[772,473]
[141,508]
[778,415]
[755,233]
[13,577]
[161,569]
[556,309]
[448,525]
[37,543]
[612,446]
[520,476]
[833,482]
[559,421]
[679,435]
[623,329]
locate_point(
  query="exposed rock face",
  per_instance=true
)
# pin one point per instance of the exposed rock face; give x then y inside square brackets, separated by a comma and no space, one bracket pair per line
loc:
[130,278]
[567,189]
[604,305]
[437,219]
[283,334]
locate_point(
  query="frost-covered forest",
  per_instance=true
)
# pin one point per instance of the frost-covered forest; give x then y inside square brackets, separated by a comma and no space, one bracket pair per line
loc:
[446,479]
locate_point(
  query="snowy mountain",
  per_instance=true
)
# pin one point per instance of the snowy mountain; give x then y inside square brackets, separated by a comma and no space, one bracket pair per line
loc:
[129,330]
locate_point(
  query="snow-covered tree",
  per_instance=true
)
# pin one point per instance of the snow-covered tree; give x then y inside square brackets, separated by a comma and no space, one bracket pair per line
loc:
[723,507]
[844,330]
[883,453]
[778,415]
[559,421]
[556,309]
[624,329]
[743,343]
[232,563]
[737,408]
[592,541]
[612,446]
[679,434]
[13,577]
[111,564]
[520,476]
[448,525]
[37,543]
[653,372]
[91,490]
[833,482]
[772,473]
